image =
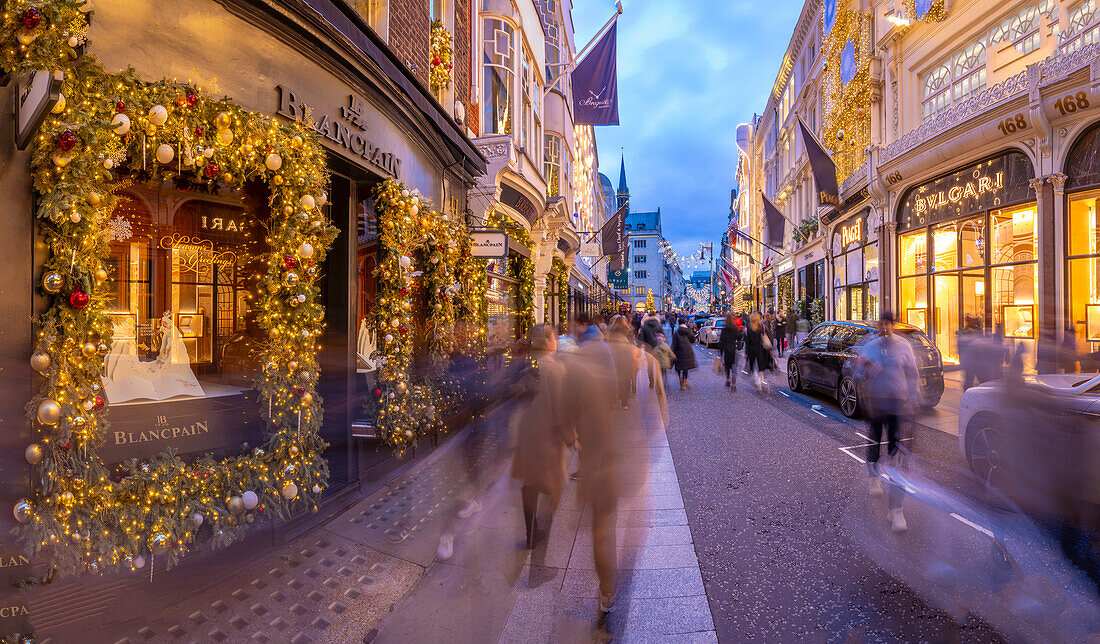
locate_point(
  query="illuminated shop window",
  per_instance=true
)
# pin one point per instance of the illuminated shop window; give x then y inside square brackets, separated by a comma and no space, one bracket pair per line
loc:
[183,272]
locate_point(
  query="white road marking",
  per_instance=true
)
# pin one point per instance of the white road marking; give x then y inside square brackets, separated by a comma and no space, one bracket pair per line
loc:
[818,413]
[845,450]
[986,531]
[784,393]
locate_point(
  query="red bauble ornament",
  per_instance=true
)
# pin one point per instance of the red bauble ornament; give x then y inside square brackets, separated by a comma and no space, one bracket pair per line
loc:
[211,170]
[404,291]
[192,100]
[179,101]
[99,402]
[436,61]
[78,299]
[198,131]
[66,141]
[298,391]
[120,106]
[377,392]
[31,18]
[290,262]
[404,329]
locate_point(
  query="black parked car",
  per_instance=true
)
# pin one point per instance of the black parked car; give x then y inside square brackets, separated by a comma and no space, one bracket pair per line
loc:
[824,360]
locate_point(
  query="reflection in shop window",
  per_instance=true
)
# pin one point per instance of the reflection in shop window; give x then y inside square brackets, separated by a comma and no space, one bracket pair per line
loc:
[945,247]
[183,271]
[913,253]
[1014,235]
[1084,267]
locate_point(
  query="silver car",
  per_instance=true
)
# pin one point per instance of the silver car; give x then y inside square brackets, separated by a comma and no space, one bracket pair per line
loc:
[1036,442]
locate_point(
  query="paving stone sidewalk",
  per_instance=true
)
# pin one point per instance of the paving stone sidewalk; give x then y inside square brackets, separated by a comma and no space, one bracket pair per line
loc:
[493,589]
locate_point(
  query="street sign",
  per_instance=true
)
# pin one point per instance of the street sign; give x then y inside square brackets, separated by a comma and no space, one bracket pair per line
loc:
[36,95]
[488,243]
[591,250]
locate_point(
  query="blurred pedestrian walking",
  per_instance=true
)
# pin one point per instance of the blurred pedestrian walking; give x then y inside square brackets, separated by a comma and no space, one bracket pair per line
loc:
[590,393]
[728,343]
[889,378]
[780,333]
[685,354]
[757,351]
[544,431]
[620,339]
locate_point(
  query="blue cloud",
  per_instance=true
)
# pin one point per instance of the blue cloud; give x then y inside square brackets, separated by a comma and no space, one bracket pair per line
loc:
[689,72]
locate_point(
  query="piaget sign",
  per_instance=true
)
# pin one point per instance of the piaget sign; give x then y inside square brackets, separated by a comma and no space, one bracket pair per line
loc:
[987,184]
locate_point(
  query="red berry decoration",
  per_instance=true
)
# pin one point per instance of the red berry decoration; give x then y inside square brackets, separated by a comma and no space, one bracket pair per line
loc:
[211,170]
[120,106]
[31,18]
[436,61]
[404,329]
[78,299]
[404,292]
[192,100]
[198,131]
[179,101]
[290,261]
[66,141]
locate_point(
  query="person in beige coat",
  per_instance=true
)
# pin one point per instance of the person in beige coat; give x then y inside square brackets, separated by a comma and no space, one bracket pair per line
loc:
[544,431]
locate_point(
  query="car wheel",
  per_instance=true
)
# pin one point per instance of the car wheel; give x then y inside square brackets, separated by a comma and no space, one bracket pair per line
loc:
[794,380]
[847,396]
[985,444]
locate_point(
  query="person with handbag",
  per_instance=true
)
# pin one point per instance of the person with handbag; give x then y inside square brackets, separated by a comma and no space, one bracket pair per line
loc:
[757,351]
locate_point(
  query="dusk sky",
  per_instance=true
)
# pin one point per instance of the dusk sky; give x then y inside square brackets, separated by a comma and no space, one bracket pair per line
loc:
[689,72]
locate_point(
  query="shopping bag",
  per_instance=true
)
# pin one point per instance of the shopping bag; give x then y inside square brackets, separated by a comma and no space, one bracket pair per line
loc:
[716,365]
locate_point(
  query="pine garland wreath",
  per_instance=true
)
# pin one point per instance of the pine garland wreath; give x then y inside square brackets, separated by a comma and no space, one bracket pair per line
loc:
[79,516]
[561,274]
[521,269]
[442,62]
[419,261]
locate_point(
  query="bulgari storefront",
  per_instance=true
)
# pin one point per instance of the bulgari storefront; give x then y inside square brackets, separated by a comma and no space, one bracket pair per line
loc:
[966,250]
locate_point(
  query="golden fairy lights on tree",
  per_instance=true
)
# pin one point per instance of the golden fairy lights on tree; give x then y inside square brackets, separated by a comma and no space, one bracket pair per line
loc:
[847,126]
[424,263]
[105,127]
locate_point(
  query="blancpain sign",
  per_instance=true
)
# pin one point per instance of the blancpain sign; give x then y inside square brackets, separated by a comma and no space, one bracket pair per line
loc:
[488,243]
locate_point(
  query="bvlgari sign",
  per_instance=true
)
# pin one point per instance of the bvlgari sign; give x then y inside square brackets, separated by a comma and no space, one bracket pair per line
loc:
[345,128]
[1001,180]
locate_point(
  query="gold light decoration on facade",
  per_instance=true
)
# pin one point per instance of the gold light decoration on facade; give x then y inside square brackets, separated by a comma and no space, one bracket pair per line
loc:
[82,516]
[847,106]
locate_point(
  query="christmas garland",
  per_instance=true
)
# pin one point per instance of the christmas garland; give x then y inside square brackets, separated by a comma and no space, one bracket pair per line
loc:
[561,274]
[442,57]
[521,269]
[419,252]
[86,519]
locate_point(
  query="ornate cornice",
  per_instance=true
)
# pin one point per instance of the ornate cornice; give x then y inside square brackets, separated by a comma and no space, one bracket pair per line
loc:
[1053,69]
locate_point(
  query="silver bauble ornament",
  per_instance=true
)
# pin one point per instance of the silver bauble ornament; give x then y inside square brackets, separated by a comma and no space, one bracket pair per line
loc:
[49,412]
[34,453]
[53,282]
[158,114]
[198,519]
[22,510]
[273,162]
[250,500]
[305,250]
[160,544]
[121,124]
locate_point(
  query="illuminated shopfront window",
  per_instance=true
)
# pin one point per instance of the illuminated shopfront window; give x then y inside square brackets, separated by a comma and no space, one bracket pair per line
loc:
[499,47]
[855,272]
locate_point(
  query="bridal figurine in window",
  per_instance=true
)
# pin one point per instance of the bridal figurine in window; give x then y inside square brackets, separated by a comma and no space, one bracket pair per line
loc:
[128,377]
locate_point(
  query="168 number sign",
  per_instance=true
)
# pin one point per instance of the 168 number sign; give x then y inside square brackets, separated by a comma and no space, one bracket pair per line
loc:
[1070,103]
[1012,124]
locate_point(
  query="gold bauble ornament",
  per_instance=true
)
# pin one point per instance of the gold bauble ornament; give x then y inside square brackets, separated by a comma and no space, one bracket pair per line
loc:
[59,106]
[288,210]
[307,399]
[292,365]
[78,421]
[40,361]
[247,149]
[235,505]
[66,497]
[296,142]
[223,120]
[94,199]
[53,282]
[89,349]
[225,137]
[290,491]
[101,274]
[34,453]
[277,180]
[228,177]
[293,450]
[165,153]
[290,279]
[49,412]
[292,301]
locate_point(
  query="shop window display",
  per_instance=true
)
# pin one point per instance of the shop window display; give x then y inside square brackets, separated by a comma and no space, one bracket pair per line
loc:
[183,273]
[1084,267]
[855,276]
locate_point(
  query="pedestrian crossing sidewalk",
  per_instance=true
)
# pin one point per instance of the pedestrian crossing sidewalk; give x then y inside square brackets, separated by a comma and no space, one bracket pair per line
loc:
[493,589]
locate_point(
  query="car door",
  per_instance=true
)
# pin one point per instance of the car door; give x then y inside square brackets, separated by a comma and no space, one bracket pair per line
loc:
[813,352]
[839,351]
